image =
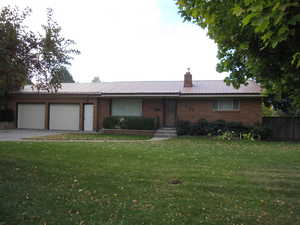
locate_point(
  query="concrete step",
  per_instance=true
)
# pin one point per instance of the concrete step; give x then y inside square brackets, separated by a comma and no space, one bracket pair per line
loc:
[160,133]
[165,132]
[168,129]
[165,135]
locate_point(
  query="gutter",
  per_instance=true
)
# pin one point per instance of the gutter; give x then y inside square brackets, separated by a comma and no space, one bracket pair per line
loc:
[112,95]
[141,95]
[181,95]
[220,95]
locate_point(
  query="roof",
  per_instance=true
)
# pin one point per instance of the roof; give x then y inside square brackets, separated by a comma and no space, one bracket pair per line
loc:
[200,87]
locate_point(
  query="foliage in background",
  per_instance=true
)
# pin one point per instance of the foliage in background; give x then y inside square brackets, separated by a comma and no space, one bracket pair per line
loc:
[64,75]
[96,80]
[55,52]
[269,111]
[26,56]
[257,39]
[226,130]
[18,50]
[130,122]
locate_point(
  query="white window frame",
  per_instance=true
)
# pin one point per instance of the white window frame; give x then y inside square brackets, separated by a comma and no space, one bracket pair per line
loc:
[218,105]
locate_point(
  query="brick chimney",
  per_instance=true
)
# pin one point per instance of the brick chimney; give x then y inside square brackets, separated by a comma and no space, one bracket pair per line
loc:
[188,80]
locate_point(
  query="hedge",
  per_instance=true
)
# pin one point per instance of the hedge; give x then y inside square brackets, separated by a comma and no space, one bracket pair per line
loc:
[130,122]
[219,127]
[7,115]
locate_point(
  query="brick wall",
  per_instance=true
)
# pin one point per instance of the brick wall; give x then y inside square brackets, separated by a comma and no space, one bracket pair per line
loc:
[187,109]
[7,125]
[153,108]
[193,110]
[104,111]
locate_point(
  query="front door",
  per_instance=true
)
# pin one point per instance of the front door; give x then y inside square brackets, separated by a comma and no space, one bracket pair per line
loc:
[88,117]
[170,113]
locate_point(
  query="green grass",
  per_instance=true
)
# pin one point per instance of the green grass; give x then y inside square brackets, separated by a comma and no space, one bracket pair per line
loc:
[91,136]
[131,183]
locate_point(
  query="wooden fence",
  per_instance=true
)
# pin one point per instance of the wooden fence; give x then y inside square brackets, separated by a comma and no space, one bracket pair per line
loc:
[283,128]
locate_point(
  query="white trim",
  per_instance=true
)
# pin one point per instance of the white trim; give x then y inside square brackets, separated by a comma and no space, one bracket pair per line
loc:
[35,95]
[88,117]
[138,95]
[220,96]
[185,96]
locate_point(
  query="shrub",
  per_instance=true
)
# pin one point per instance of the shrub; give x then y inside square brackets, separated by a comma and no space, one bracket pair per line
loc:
[130,122]
[225,130]
[262,133]
[248,136]
[7,115]
[217,127]
[183,127]
[140,123]
[238,127]
[112,122]
[227,136]
[201,128]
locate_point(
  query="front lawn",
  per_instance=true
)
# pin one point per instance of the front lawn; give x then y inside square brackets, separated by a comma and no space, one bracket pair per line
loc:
[91,136]
[178,181]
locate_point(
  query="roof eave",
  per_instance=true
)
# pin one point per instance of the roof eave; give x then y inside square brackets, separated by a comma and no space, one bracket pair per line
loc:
[222,95]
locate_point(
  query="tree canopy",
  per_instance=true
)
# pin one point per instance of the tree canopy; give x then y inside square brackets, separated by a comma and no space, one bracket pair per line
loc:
[27,56]
[257,39]
[96,80]
[64,75]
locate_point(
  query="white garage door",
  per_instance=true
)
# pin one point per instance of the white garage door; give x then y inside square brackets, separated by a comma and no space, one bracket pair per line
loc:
[64,117]
[31,116]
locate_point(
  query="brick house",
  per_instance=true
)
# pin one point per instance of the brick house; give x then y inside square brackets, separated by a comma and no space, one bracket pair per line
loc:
[83,106]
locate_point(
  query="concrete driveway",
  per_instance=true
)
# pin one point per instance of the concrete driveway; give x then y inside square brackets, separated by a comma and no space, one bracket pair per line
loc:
[19,134]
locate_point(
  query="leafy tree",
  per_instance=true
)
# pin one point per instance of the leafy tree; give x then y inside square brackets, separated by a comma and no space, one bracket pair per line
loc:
[257,39]
[65,76]
[55,52]
[269,111]
[96,80]
[18,55]
[27,56]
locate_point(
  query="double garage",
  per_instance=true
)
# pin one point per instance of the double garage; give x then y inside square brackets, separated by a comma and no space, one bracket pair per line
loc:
[56,116]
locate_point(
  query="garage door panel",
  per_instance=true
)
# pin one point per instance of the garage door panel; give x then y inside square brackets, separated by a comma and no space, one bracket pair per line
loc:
[64,117]
[31,116]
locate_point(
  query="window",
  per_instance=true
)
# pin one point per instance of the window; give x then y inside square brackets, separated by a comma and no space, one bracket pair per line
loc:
[126,107]
[226,105]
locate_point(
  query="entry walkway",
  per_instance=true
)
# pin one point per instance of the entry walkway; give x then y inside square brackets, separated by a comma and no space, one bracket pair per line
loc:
[19,134]
[24,134]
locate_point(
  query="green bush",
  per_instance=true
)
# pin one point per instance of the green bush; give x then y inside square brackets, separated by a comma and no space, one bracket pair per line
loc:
[201,128]
[227,136]
[130,122]
[237,127]
[217,127]
[262,133]
[112,122]
[183,127]
[226,130]
[7,115]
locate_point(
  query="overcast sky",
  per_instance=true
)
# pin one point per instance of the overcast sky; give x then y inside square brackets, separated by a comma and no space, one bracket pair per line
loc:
[129,40]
